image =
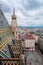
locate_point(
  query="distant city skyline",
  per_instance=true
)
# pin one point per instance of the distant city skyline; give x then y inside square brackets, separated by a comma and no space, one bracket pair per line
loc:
[29,12]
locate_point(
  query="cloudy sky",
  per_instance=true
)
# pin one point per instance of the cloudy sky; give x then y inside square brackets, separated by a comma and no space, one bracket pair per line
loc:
[28,12]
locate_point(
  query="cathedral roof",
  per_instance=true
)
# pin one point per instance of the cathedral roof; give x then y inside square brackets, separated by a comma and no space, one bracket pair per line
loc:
[5,33]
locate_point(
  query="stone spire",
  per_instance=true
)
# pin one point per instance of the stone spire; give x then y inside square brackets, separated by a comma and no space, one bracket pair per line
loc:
[13,16]
[14,23]
[14,11]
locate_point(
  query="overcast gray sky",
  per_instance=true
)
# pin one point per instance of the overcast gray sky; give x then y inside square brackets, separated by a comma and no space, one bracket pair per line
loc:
[28,12]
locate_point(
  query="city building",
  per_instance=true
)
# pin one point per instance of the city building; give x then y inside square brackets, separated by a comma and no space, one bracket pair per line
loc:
[29,42]
[40,44]
[36,38]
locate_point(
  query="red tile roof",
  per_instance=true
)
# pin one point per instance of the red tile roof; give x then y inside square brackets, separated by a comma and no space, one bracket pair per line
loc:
[29,36]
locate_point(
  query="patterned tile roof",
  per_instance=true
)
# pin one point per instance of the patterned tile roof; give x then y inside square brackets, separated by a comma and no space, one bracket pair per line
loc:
[5,35]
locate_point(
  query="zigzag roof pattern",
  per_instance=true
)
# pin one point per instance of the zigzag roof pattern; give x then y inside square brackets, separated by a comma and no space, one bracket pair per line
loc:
[5,35]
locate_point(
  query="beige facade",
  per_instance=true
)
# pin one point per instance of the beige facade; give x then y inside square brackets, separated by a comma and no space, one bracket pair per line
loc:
[30,44]
[36,38]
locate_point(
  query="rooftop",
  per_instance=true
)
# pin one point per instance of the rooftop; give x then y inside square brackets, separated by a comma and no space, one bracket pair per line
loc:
[5,33]
[29,36]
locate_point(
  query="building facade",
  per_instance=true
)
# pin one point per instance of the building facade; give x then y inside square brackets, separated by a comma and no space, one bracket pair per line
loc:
[29,42]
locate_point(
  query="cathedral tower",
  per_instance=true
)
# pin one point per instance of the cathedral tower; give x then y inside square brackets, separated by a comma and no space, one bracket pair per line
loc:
[13,23]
